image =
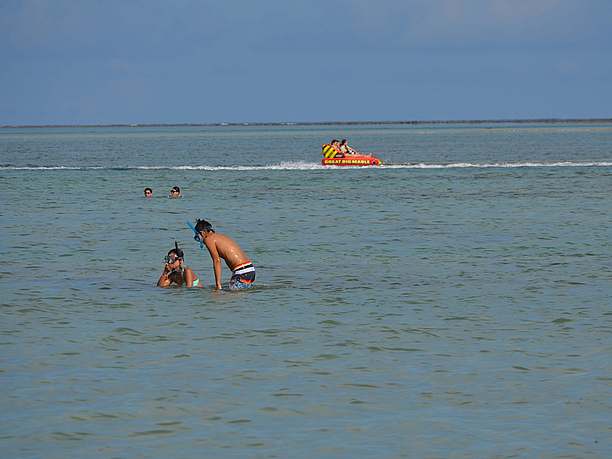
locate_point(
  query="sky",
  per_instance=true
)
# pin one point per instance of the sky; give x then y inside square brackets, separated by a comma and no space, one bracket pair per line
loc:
[200,61]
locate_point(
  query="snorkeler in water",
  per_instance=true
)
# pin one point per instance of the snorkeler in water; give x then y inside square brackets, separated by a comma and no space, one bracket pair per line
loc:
[175,273]
[223,247]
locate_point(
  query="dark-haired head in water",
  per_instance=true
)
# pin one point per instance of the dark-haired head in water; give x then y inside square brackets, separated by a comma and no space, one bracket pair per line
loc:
[175,192]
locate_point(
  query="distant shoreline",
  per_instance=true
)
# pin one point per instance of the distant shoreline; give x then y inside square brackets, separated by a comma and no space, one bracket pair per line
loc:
[319,123]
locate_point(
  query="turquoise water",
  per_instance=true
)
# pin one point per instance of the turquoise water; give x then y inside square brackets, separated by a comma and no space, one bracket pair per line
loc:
[454,303]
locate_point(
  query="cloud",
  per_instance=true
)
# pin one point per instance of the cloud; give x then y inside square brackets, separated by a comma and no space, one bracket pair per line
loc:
[517,11]
[473,22]
[93,29]
[155,28]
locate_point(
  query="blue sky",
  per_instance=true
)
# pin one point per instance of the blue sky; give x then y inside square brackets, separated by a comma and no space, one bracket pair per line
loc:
[153,61]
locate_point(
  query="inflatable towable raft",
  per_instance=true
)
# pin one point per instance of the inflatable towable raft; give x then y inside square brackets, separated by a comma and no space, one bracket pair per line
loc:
[332,157]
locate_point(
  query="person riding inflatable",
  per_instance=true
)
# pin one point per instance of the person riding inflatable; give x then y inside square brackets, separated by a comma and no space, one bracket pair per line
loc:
[332,150]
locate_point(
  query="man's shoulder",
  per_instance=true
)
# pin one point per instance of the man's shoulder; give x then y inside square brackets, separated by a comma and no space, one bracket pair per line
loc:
[215,238]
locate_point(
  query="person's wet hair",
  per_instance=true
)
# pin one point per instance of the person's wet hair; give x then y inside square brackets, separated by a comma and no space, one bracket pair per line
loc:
[176,251]
[148,190]
[175,189]
[203,225]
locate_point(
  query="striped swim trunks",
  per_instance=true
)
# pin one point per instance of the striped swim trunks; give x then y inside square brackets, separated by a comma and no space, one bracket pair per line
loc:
[243,276]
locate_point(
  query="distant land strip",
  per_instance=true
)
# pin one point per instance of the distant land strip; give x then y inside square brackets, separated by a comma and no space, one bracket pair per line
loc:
[318,123]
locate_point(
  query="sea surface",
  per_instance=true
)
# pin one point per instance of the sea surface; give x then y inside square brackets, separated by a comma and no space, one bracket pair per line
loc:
[453,303]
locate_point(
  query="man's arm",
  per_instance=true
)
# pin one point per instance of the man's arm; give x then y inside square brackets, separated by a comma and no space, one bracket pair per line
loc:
[214,254]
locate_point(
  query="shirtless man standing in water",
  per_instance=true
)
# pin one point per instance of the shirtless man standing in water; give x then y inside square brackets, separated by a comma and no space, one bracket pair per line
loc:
[222,246]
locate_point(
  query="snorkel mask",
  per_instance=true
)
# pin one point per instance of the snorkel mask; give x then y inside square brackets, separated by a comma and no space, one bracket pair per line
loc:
[178,254]
[196,235]
[168,259]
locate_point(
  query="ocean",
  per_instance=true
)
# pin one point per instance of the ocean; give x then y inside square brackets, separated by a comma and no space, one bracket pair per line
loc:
[453,303]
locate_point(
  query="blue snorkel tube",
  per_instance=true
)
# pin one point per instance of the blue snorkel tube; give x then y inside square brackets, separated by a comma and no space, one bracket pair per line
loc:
[196,235]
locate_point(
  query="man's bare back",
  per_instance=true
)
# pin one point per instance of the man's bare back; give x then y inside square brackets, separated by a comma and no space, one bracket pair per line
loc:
[227,249]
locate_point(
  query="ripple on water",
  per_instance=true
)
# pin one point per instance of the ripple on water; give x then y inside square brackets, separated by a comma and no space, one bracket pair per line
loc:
[471,316]
[152,433]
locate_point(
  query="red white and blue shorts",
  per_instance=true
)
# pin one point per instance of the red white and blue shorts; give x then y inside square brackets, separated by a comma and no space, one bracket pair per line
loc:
[243,276]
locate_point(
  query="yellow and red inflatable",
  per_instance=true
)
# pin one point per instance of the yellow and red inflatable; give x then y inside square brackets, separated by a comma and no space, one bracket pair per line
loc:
[332,157]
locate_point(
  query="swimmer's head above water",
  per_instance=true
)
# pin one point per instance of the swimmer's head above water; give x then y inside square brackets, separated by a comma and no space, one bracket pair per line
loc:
[175,192]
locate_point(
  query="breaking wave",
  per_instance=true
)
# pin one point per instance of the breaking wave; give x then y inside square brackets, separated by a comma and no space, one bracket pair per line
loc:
[316,166]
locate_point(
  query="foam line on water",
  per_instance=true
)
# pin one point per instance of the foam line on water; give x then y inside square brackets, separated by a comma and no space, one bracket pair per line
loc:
[500,165]
[317,166]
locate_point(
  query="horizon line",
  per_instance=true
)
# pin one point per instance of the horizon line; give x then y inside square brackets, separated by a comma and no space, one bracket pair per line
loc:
[315,123]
